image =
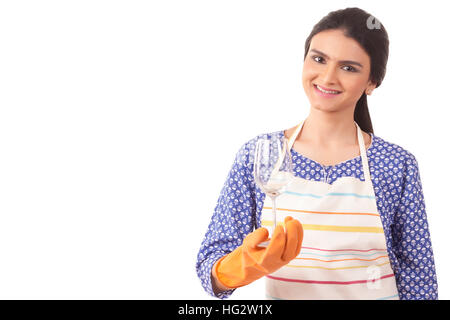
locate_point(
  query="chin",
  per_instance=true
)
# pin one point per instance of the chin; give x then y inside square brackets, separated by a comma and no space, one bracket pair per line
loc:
[326,107]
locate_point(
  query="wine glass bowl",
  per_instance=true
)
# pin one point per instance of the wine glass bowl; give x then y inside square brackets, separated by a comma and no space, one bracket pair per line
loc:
[272,169]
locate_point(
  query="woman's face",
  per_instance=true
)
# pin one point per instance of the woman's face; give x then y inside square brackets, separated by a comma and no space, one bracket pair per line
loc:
[328,64]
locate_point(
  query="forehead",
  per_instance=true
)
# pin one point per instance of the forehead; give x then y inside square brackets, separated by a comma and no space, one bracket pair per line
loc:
[339,47]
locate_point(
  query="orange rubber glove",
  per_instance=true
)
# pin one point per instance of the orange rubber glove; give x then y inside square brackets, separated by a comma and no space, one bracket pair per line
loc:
[249,262]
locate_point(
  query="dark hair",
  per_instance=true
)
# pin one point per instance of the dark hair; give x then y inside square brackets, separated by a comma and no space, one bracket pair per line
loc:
[372,36]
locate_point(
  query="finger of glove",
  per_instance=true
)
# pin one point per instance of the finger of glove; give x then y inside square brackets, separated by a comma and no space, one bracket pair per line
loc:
[256,237]
[277,243]
[300,237]
[292,237]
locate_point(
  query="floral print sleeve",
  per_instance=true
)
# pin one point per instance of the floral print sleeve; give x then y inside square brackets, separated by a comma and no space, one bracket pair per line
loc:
[416,274]
[232,220]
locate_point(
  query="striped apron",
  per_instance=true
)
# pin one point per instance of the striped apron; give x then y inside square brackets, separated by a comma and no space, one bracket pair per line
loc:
[343,253]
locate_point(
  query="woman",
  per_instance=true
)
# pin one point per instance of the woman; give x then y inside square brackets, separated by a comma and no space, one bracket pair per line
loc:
[355,220]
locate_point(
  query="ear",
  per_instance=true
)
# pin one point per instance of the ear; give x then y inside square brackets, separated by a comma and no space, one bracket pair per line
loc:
[370,87]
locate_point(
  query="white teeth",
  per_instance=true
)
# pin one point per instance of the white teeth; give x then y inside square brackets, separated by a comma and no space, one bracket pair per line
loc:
[326,91]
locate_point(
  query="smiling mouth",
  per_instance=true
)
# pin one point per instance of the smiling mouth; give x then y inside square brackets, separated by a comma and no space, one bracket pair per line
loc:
[326,91]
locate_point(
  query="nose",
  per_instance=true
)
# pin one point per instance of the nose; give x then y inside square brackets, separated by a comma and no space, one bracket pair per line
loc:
[329,74]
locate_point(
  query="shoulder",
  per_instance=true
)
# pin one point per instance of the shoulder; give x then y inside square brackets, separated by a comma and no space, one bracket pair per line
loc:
[246,152]
[391,157]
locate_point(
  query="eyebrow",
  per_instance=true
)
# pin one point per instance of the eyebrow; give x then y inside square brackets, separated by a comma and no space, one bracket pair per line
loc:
[342,61]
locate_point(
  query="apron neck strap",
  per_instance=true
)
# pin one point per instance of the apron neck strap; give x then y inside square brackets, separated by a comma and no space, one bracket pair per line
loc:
[362,152]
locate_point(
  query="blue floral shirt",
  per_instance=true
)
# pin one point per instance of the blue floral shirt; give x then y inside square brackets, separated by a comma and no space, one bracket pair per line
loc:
[398,190]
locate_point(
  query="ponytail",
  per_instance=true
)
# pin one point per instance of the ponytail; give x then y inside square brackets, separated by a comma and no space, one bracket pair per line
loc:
[361,114]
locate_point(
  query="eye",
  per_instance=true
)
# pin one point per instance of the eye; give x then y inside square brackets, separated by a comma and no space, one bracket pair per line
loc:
[351,68]
[314,58]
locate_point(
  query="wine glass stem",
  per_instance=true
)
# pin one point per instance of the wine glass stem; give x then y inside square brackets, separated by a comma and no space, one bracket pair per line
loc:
[274,214]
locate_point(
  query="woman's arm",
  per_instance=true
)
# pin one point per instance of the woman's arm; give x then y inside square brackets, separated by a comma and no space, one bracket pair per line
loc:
[416,277]
[232,220]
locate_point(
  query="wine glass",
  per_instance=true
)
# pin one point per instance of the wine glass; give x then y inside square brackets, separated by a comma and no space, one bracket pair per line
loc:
[272,170]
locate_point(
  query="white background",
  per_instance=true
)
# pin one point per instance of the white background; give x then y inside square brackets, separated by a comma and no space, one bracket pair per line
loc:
[119,122]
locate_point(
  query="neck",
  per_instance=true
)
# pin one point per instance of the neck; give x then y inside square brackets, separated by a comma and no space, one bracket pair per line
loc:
[332,130]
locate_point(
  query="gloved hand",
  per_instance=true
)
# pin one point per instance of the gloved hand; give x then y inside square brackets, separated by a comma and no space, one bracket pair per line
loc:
[249,262]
